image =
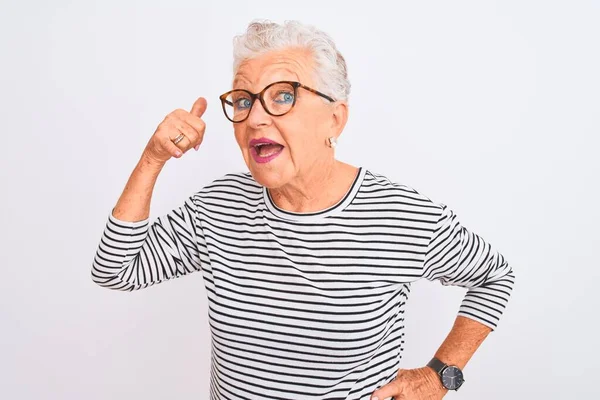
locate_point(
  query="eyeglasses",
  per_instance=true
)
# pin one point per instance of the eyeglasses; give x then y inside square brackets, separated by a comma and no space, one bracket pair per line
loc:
[278,98]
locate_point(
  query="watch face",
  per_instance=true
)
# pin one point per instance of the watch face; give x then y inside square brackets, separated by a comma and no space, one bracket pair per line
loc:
[452,378]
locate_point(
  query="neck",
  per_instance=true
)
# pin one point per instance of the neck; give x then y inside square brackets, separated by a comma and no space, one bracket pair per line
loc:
[321,186]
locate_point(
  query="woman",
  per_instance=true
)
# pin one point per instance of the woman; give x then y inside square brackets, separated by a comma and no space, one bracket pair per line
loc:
[307,260]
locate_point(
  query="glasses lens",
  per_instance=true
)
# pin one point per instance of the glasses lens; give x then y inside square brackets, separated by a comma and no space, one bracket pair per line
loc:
[279,98]
[237,105]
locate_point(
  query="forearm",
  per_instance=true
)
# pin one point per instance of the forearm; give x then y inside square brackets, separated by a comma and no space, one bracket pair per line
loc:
[424,383]
[134,255]
[462,341]
[134,203]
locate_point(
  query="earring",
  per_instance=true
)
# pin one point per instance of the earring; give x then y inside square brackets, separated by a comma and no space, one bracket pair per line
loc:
[332,142]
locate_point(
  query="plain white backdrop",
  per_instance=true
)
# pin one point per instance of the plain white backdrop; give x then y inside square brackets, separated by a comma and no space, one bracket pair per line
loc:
[491,107]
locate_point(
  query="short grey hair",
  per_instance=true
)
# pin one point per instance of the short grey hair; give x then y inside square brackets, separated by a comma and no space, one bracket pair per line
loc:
[262,36]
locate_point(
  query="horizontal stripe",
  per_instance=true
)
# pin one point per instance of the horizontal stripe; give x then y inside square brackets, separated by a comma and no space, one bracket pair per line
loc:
[306,305]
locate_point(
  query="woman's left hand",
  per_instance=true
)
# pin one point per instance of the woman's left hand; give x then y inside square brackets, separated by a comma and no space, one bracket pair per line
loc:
[412,384]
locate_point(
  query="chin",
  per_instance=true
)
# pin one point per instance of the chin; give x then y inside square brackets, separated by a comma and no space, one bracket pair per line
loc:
[270,176]
[273,174]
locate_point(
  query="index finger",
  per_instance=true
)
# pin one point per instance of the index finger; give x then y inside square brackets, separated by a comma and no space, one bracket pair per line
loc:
[390,390]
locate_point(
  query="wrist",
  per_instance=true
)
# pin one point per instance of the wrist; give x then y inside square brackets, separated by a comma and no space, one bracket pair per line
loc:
[146,162]
[450,358]
[450,376]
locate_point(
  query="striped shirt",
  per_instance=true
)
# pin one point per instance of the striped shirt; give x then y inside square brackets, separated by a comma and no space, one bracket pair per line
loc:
[306,305]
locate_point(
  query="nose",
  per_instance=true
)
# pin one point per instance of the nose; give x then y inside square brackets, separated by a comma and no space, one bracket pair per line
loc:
[258,116]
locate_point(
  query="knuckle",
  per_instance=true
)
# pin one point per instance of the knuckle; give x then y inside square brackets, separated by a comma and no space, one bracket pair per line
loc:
[163,135]
[167,143]
[175,128]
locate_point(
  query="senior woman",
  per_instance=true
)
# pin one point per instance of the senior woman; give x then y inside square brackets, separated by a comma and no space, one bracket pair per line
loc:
[307,261]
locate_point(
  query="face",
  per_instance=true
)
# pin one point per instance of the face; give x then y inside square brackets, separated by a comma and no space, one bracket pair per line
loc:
[301,135]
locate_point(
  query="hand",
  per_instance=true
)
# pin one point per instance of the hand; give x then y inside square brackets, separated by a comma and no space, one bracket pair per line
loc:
[160,147]
[413,384]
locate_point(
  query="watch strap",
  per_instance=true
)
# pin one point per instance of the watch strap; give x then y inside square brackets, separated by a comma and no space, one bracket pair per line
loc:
[437,365]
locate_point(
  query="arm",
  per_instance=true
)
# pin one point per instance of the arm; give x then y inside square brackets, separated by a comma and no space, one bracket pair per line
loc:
[134,203]
[462,341]
[456,256]
[459,257]
[135,254]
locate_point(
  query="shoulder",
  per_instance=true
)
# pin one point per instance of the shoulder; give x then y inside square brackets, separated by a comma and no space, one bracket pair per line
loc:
[375,182]
[380,191]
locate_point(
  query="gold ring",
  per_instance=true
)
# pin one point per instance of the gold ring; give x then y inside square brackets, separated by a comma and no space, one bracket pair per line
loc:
[178,138]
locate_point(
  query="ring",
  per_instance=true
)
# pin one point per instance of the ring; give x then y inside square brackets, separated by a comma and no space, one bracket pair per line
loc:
[178,138]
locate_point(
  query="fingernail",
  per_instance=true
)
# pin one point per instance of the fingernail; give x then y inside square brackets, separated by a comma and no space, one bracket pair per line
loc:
[178,153]
[196,147]
[375,398]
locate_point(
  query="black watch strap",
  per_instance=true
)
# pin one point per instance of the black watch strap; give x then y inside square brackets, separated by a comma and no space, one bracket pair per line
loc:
[436,365]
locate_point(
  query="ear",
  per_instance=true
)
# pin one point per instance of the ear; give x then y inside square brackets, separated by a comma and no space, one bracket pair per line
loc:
[339,117]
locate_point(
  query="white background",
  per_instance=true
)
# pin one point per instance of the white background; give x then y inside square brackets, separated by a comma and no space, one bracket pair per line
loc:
[489,107]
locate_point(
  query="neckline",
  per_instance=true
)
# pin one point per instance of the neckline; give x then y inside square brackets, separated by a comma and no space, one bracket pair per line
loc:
[313,215]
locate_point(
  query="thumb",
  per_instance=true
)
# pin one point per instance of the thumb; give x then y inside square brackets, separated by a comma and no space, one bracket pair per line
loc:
[199,107]
[387,391]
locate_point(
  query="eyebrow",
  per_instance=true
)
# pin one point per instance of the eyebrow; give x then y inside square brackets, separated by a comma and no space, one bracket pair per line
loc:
[241,78]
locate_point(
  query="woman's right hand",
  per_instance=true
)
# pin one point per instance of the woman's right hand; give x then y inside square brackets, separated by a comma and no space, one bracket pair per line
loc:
[160,147]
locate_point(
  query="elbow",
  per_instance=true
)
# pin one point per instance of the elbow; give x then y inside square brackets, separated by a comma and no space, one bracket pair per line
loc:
[96,278]
[508,274]
[99,279]
[504,276]
[511,278]
[108,281]
[505,282]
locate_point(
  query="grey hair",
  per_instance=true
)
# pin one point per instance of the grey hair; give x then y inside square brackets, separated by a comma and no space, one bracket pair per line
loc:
[262,36]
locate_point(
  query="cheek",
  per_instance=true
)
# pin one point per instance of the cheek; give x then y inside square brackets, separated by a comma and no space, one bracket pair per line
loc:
[302,140]
[293,136]
[301,135]
[303,146]
[240,136]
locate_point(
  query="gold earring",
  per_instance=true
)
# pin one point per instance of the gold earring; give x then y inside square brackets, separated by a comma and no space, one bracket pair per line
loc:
[332,142]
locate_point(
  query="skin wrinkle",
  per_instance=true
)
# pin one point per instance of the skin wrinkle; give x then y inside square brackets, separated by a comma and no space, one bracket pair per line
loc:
[305,177]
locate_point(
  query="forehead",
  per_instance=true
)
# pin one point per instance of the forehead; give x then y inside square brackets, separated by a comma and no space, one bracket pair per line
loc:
[290,64]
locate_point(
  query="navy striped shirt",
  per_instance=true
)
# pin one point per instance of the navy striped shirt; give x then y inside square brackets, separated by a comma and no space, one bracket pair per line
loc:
[306,305]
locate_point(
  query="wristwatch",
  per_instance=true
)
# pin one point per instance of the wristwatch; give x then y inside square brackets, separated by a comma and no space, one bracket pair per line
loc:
[451,375]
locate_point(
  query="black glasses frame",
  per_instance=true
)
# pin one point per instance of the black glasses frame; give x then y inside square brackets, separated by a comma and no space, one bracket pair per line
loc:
[259,96]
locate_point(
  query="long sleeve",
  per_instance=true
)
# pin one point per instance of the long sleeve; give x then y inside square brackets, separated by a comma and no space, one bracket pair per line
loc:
[135,255]
[456,256]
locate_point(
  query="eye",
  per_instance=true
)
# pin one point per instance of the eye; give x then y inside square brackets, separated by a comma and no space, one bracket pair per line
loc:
[242,103]
[284,97]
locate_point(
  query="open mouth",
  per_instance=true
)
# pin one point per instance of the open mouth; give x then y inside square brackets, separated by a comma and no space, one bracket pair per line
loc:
[264,150]
[267,149]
